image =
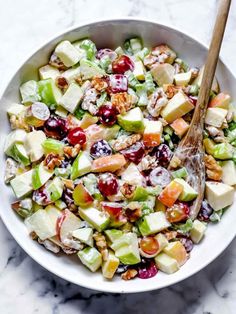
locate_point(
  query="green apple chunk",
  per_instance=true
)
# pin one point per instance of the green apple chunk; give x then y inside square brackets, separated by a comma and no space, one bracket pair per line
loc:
[72,97]
[91,258]
[49,92]
[163,73]
[85,235]
[16,136]
[132,121]
[89,69]
[29,92]
[22,184]
[140,194]
[42,225]
[198,230]
[166,263]
[54,213]
[229,172]
[48,71]
[113,234]
[33,144]
[71,74]
[219,195]
[81,165]
[16,110]
[111,132]
[81,196]
[51,145]
[55,189]
[40,176]
[128,253]
[99,220]
[67,53]
[109,267]
[153,223]
[188,193]
[19,154]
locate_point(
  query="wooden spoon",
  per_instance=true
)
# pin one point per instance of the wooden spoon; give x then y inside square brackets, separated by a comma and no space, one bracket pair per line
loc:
[190,150]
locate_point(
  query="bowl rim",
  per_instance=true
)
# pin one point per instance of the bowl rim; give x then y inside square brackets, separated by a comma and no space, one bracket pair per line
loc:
[90,22]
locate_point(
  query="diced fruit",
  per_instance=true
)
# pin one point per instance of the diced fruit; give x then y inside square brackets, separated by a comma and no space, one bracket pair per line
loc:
[152,133]
[219,195]
[159,207]
[149,246]
[33,144]
[16,110]
[164,49]
[88,120]
[107,114]
[67,53]
[140,194]
[180,173]
[126,249]
[182,79]
[72,97]
[229,172]
[153,223]
[55,189]
[70,75]
[159,176]
[19,153]
[215,116]
[209,146]
[36,114]
[180,126]
[81,165]
[62,112]
[53,146]
[113,234]
[110,266]
[178,212]
[76,136]
[171,193]
[118,83]
[147,269]
[53,213]
[177,107]
[40,176]
[221,100]
[89,69]
[29,92]
[166,263]
[177,251]
[139,70]
[163,155]
[132,175]
[91,258]
[55,127]
[223,151]
[134,153]
[163,73]
[16,136]
[162,241]
[48,71]
[81,196]
[66,224]
[85,235]
[50,94]
[22,184]
[188,194]
[198,81]
[99,220]
[198,230]
[108,163]
[132,121]
[122,64]
[42,225]
[107,184]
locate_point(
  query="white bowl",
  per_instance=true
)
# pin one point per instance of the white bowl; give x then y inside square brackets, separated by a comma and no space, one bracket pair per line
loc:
[112,33]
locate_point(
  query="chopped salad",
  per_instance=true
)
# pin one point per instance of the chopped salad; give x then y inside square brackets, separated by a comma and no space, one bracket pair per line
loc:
[89,157]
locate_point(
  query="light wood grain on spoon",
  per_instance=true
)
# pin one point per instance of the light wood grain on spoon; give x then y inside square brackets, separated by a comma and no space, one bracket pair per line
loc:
[190,151]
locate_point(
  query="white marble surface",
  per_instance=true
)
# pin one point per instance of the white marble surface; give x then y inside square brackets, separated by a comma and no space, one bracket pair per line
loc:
[27,288]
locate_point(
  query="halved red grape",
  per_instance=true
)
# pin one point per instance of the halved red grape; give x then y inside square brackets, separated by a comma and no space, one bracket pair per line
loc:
[134,153]
[55,127]
[149,245]
[41,197]
[205,211]
[187,243]
[112,208]
[122,64]
[100,148]
[107,114]
[159,176]
[163,154]
[108,184]
[178,212]
[76,136]
[118,83]
[147,269]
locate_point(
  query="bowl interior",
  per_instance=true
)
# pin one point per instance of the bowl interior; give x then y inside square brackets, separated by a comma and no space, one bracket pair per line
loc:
[111,34]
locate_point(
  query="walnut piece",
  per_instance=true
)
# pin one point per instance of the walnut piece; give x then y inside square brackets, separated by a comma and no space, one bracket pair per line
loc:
[62,83]
[101,244]
[122,101]
[68,183]
[158,100]
[129,274]
[99,83]
[72,151]
[52,160]
[19,123]
[127,190]
[124,142]
[213,170]
[148,162]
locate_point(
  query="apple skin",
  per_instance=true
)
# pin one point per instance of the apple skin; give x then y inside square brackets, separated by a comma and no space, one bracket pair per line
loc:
[66,223]
[81,196]
[116,213]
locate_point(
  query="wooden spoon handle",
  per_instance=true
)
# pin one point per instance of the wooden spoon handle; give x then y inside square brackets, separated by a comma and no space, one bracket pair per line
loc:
[211,63]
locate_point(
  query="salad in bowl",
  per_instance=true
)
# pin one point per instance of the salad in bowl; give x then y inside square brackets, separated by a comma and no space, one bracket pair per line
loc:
[89,157]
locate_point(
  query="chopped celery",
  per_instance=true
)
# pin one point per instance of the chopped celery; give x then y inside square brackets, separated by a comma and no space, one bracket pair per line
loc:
[180,173]
[168,130]
[51,145]
[185,227]
[105,63]
[102,99]
[142,93]
[194,90]
[209,146]
[119,51]
[136,45]
[127,47]
[167,137]
[149,82]
[231,135]
[79,113]
[89,47]
[142,53]
[132,80]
